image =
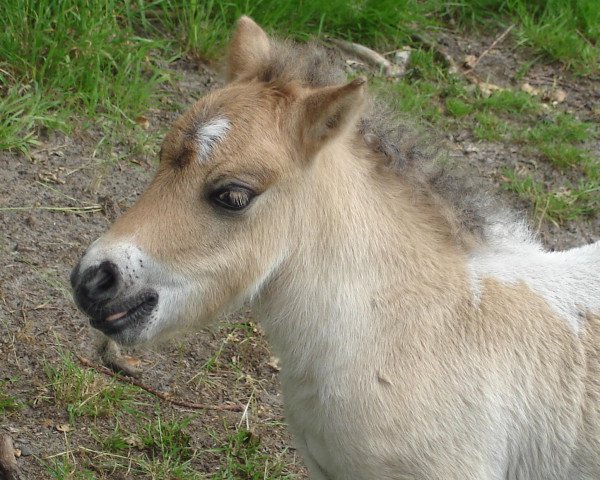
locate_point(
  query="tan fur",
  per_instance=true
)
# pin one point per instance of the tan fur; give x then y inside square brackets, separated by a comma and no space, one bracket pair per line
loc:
[247,47]
[394,365]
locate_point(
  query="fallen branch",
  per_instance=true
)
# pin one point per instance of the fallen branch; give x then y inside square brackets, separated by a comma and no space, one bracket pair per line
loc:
[224,407]
[9,469]
[80,210]
[370,56]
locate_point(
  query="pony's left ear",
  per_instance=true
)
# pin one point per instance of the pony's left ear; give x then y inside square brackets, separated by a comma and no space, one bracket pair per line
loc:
[248,50]
[329,112]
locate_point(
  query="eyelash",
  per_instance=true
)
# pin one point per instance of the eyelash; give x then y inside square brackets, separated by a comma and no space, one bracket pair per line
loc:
[234,198]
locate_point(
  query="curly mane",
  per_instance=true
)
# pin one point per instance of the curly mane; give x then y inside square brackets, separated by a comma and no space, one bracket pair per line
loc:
[475,214]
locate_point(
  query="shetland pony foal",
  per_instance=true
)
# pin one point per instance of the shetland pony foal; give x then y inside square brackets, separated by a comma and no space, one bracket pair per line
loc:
[423,334]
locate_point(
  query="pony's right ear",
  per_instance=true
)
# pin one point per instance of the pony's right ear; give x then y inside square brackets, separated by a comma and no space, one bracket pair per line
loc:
[249,49]
[329,111]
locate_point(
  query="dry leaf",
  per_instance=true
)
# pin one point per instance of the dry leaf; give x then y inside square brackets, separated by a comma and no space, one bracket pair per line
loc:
[63,427]
[131,361]
[47,423]
[488,88]
[558,95]
[469,61]
[134,441]
[527,88]
[143,122]
[274,364]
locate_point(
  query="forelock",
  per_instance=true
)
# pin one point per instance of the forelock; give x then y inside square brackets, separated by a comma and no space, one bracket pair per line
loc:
[210,133]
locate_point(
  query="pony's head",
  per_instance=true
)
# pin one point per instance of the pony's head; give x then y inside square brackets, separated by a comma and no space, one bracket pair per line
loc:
[227,204]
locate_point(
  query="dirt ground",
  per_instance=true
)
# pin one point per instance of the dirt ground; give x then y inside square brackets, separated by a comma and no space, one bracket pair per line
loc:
[38,247]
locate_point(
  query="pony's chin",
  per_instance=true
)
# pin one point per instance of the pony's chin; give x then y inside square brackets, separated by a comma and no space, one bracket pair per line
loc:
[131,334]
[127,317]
[170,319]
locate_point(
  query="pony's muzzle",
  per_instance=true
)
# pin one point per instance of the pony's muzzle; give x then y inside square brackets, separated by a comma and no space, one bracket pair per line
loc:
[111,294]
[95,286]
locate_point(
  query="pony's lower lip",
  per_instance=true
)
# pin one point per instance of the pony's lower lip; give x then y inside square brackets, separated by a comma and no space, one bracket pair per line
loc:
[115,316]
[134,314]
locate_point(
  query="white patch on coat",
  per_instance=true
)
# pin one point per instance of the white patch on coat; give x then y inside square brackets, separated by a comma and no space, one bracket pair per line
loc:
[210,133]
[568,281]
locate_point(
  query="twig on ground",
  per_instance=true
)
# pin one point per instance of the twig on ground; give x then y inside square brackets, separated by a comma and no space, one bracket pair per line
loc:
[9,469]
[542,215]
[163,396]
[88,209]
[443,56]
[492,46]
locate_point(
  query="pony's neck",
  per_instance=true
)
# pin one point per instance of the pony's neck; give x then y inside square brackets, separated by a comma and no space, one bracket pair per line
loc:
[366,263]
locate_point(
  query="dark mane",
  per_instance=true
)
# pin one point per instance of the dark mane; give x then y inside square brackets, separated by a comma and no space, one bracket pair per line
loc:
[460,192]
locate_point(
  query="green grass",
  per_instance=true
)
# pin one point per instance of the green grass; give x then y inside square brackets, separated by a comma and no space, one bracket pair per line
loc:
[567,31]
[8,403]
[83,392]
[559,206]
[145,441]
[515,118]
[103,58]
[561,30]
[457,107]
[164,446]
[490,127]
[24,110]
[561,128]
[509,102]
[151,446]
[64,468]
[72,56]
[244,457]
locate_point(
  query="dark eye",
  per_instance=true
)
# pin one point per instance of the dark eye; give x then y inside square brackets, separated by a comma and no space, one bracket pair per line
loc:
[233,197]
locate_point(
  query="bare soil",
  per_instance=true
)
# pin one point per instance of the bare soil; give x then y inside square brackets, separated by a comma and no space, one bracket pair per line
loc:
[38,248]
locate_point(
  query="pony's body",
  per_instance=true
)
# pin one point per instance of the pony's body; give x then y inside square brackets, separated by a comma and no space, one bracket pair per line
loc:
[419,338]
[364,365]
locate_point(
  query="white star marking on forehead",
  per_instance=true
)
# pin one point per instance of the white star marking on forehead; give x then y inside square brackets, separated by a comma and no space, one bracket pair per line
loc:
[210,133]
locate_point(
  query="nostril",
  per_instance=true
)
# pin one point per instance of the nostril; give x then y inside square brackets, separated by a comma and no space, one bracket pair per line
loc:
[101,282]
[153,299]
[105,279]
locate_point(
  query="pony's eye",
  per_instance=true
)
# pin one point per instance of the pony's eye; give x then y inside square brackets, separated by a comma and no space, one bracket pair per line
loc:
[233,197]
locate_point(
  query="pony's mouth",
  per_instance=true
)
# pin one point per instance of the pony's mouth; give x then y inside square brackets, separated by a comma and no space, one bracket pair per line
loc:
[128,314]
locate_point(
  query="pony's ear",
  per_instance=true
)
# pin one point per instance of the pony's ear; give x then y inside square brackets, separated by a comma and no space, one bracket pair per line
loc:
[248,50]
[330,111]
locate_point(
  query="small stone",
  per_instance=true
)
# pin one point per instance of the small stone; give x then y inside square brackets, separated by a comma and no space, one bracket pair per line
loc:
[30,221]
[402,57]
[26,451]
